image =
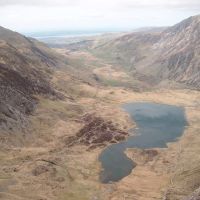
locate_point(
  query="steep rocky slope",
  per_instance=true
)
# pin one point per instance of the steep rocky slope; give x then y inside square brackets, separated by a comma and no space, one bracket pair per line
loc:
[178,53]
[169,55]
[26,68]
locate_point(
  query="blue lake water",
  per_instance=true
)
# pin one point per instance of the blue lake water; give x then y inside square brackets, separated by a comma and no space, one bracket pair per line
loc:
[157,125]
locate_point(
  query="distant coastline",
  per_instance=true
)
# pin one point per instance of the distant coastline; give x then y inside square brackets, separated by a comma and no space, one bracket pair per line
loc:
[68,34]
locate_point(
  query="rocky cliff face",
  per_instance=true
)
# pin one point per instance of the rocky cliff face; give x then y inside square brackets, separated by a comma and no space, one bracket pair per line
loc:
[26,67]
[179,53]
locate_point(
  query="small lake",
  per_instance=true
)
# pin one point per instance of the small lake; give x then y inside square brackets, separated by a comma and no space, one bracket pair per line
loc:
[157,125]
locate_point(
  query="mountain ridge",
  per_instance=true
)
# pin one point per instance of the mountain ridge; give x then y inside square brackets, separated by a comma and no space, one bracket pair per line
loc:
[171,54]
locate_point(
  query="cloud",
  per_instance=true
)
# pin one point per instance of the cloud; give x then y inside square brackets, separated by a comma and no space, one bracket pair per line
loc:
[33,15]
[126,3]
[38,2]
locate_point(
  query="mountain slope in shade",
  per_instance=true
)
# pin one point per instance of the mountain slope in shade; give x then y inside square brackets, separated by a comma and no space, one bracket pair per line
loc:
[172,54]
[26,68]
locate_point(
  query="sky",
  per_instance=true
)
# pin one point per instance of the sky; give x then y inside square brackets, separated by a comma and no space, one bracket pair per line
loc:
[28,16]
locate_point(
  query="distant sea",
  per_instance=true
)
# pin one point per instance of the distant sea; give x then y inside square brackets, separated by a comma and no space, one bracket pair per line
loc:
[65,34]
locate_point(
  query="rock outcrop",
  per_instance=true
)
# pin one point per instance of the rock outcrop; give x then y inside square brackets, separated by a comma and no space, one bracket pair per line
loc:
[97,132]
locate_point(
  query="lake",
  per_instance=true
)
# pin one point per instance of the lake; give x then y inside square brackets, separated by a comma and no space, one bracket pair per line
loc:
[157,125]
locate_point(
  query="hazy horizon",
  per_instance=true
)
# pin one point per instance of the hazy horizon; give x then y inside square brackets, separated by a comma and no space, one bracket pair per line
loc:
[43,16]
